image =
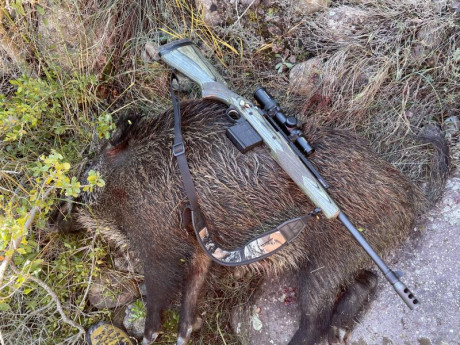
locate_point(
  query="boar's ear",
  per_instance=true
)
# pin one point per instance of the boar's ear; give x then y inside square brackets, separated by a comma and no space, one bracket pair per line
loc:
[125,125]
[60,219]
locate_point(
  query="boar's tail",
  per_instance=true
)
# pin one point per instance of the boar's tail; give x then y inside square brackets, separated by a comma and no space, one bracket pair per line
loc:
[438,168]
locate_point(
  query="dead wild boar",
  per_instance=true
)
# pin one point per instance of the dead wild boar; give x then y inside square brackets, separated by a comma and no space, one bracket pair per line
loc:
[242,195]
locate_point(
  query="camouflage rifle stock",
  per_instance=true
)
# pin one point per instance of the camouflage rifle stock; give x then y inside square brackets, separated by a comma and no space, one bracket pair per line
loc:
[185,57]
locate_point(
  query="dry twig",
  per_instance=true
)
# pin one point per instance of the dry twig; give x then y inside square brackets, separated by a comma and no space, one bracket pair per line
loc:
[54,297]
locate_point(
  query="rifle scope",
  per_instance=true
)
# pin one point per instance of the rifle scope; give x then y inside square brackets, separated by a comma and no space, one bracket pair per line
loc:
[290,125]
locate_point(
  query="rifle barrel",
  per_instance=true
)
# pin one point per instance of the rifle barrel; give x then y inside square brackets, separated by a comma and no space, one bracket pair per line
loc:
[407,296]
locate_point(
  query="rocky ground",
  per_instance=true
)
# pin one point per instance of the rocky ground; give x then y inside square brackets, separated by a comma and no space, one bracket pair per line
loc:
[430,266]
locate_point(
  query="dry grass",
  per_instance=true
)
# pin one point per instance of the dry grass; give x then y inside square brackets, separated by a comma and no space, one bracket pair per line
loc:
[392,76]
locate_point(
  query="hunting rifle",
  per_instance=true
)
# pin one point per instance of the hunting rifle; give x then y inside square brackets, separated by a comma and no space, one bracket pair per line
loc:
[282,136]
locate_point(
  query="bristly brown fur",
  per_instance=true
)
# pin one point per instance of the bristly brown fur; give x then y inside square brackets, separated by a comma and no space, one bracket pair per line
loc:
[241,196]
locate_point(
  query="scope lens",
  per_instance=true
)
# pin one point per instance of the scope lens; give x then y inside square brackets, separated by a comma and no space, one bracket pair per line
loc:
[264,99]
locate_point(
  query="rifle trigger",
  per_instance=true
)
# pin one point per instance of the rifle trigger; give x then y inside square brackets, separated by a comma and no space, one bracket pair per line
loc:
[232,114]
[315,211]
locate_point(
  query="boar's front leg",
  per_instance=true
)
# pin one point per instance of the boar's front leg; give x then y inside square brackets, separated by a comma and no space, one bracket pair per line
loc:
[196,275]
[158,281]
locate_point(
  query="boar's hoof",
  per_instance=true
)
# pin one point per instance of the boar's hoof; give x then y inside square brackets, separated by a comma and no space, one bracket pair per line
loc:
[183,339]
[338,336]
[197,324]
[154,336]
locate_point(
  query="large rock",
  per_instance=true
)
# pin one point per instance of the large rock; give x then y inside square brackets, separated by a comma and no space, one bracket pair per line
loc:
[344,21]
[305,78]
[425,48]
[69,40]
[60,35]
[111,290]
[310,6]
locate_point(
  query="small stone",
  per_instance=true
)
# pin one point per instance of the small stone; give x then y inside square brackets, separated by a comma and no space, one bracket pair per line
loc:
[451,126]
[134,321]
[111,290]
[274,30]
[310,6]
[252,3]
[210,11]
[424,341]
[150,53]
[387,341]
[305,78]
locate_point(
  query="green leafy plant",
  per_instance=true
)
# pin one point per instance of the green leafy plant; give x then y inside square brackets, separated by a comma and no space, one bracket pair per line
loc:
[23,111]
[105,125]
[138,310]
[44,127]
[283,64]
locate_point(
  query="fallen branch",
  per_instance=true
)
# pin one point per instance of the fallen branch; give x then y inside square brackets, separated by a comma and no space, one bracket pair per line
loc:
[54,297]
